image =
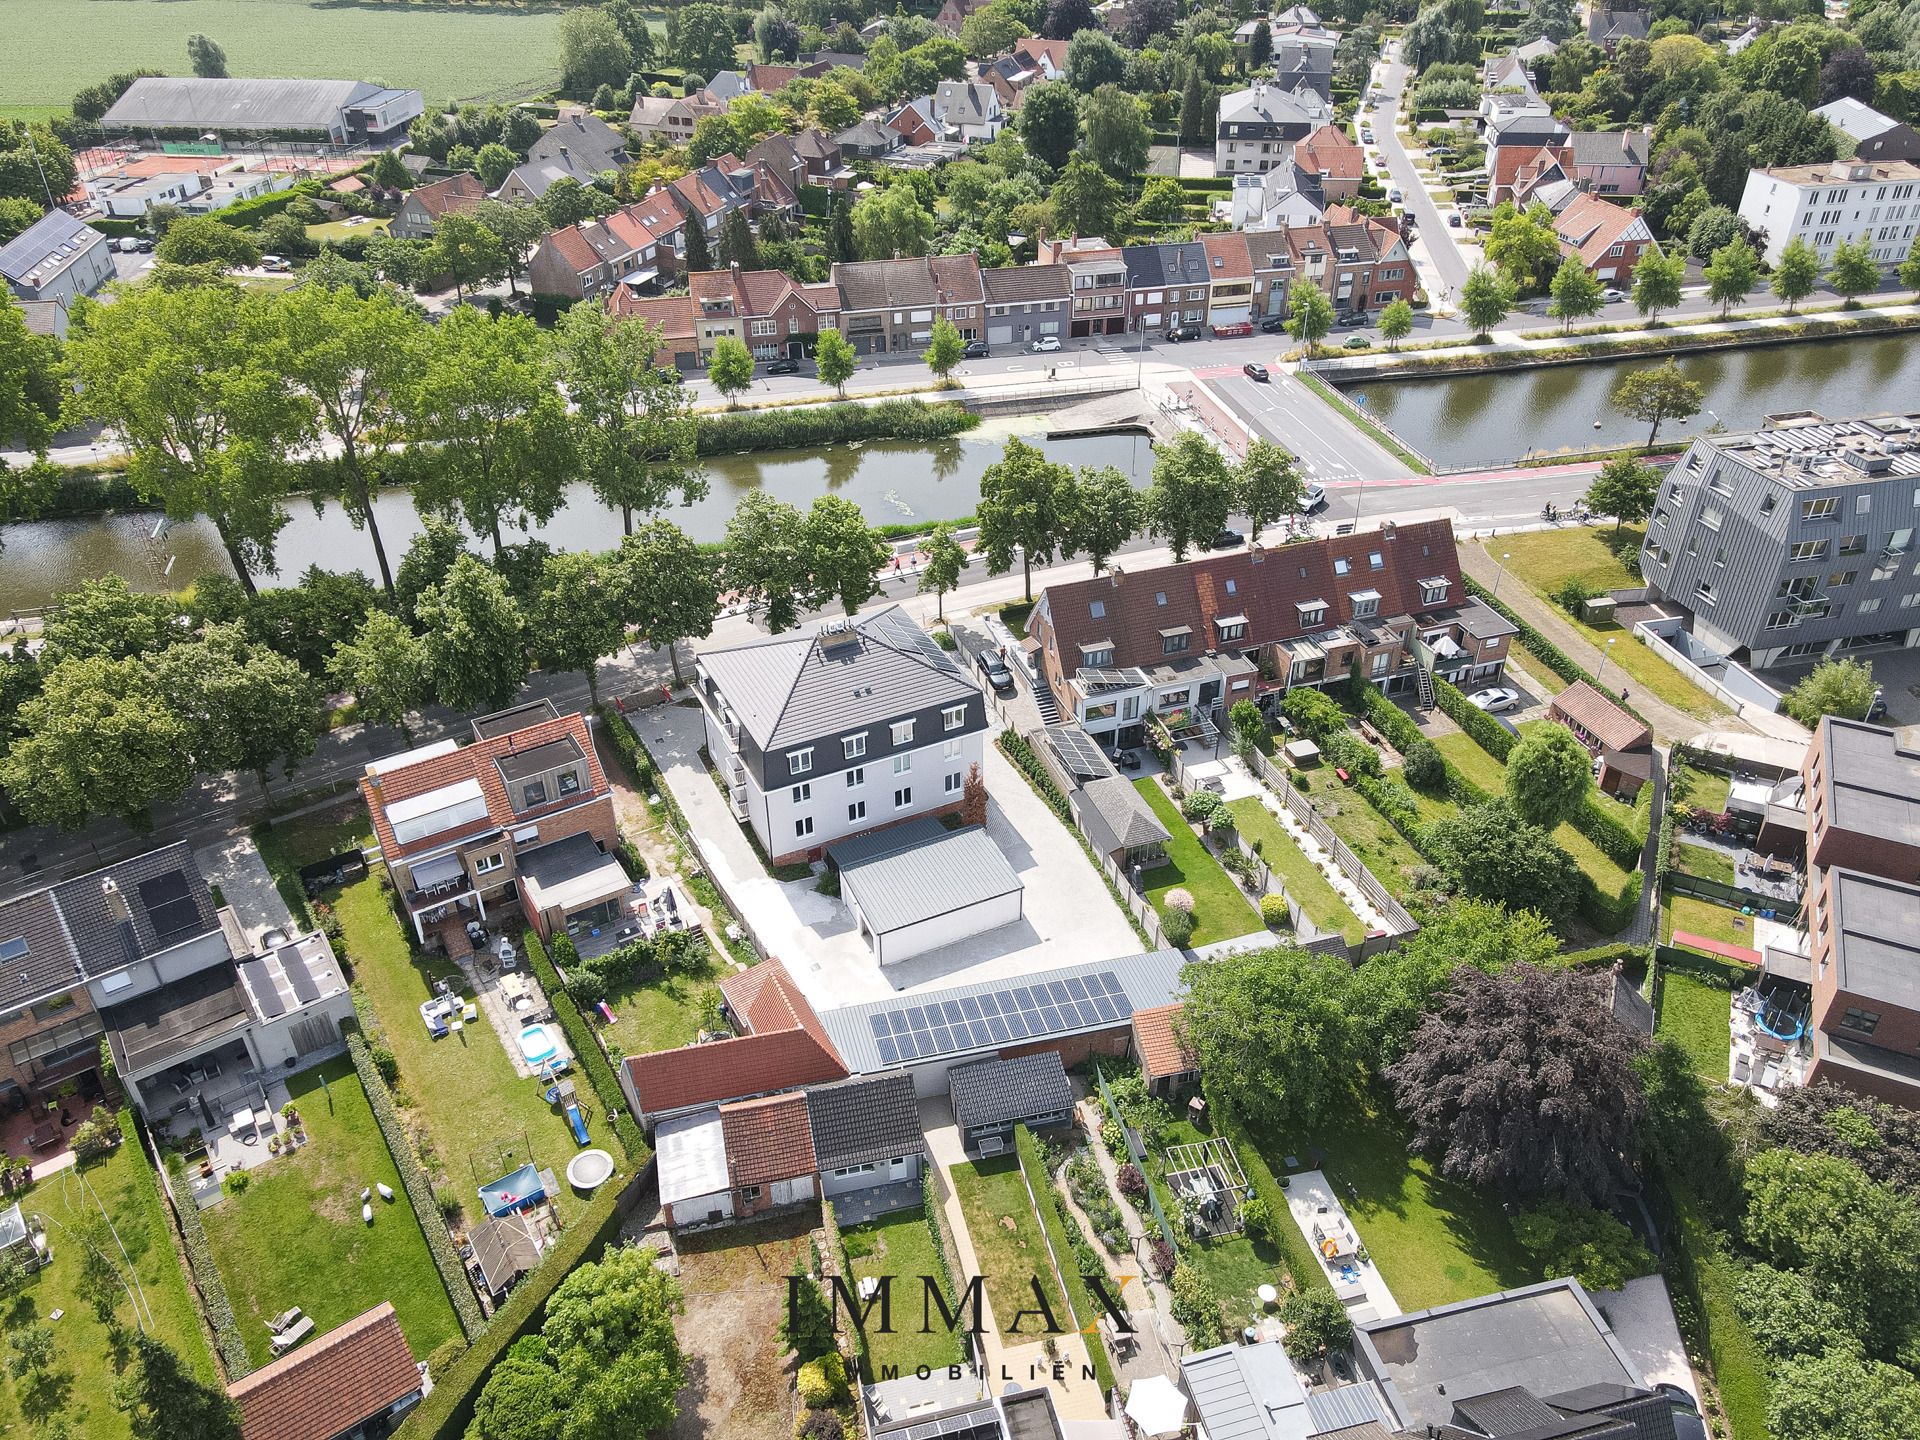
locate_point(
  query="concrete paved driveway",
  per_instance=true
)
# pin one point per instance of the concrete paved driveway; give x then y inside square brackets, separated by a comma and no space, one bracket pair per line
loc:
[1448,263]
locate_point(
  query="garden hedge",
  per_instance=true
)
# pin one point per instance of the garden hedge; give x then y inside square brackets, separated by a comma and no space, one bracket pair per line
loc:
[1543,649]
[1616,841]
[446,1413]
[246,214]
[1610,914]
[213,1291]
[626,744]
[587,1046]
[453,1275]
[830,425]
[1034,1166]
[1485,731]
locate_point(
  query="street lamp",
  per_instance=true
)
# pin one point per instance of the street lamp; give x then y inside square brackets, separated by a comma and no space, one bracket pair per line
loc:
[1603,659]
[1500,572]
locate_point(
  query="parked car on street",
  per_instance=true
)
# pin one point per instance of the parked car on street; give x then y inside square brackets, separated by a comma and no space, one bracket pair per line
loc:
[1255,371]
[1453,219]
[976,350]
[1233,332]
[1494,699]
[1312,496]
[1045,345]
[1273,324]
[1226,540]
[1358,342]
[1612,296]
[783,367]
[1181,333]
[994,669]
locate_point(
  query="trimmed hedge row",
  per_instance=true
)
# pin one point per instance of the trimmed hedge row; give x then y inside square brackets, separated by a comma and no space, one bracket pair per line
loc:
[586,1045]
[1034,1166]
[830,425]
[1610,914]
[1019,750]
[453,1275]
[626,744]
[1543,649]
[213,1292]
[1616,841]
[446,1413]
[1485,731]
[245,214]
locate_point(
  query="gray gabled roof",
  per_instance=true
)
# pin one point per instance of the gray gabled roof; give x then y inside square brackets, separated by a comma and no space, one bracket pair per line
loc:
[1124,813]
[55,235]
[908,873]
[188,102]
[787,690]
[868,1118]
[1859,121]
[1003,1092]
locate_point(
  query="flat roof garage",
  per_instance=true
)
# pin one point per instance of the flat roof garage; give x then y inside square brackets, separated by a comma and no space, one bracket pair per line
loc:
[918,886]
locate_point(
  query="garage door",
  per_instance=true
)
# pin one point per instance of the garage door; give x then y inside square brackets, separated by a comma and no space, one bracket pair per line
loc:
[999,334]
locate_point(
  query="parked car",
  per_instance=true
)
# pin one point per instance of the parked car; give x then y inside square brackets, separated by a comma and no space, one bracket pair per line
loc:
[1611,295]
[976,350]
[1312,496]
[669,375]
[1358,342]
[1394,197]
[1494,699]
[1273,324]
[1045,345]
[1226,540]
[1181,333]
[783,367]
[1255,371]
[1233,332]
[994,669]
[1350,320]
[1453,219]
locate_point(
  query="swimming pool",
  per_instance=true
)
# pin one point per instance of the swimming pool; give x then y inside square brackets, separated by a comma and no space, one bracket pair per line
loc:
[537,1044]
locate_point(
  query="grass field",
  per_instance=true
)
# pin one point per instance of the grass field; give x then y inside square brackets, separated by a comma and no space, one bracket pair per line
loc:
[337,230]
[1694,1001]
[125,1185]
[448,51]
[1546,559]
[1704,918]
[1304,882]
[1006,1241]
[900,1245]
[660,1014]
[294,1236]
[1703,861]
[1221,910]
[1371,836]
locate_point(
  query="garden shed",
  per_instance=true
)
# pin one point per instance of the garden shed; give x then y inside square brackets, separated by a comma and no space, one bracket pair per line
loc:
[991,1098]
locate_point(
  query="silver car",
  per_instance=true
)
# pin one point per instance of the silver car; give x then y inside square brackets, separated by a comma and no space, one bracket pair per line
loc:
[1494,699]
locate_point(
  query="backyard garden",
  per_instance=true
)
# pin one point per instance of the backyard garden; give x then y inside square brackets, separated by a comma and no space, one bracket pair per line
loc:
[1007,1243]
[1303,880]
[1221,909]
[901,1245]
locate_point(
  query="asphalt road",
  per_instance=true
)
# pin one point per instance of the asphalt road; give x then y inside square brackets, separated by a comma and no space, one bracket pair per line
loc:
[1286,412]
[1445,255]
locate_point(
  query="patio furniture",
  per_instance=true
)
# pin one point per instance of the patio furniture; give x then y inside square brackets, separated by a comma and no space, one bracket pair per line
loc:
[242,1119]
[283,1320]
[45,1135]
[1268,1295]
[293,1335]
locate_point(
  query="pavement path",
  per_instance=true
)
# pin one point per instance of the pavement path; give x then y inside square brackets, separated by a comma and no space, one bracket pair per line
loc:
[1311,1198]
[1447,266]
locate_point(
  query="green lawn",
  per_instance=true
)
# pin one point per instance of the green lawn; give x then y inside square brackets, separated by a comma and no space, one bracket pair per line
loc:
[660,1014]
[294,1236]
[1007,1242]
[463,1100]
[1703,789]
[900,1245]
[1703,861]
[1694,1002]
[286,847]
[1304,882]
[1474,763]
[1704,918]
[1547,559]
[1221,909]
[1371,836]
[124,1183]
[337,230]
[1490,775]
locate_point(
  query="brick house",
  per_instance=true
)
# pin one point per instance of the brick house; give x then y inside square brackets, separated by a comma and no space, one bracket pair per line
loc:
[671,121]
[1361,263]
[1097,277]
[509,822]
[889,306]
[1611,162]
[584,261]
[1166,285]
[764,309]
[357,1380]
[1622,745]
[674,316]
[1230,297]
[1608,238]
[1333,155]
[419,214]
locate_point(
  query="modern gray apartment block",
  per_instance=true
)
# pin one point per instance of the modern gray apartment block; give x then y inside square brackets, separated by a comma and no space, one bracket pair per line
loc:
[1796,540]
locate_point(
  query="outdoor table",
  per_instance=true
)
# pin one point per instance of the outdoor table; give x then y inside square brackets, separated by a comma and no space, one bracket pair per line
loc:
[240,1121]
[1268,1295]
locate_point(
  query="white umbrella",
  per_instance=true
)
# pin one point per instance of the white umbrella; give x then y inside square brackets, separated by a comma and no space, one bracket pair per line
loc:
[1156,1405]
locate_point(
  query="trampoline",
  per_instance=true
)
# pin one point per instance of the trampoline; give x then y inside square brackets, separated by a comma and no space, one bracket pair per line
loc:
[1782,1018]
[513,1192]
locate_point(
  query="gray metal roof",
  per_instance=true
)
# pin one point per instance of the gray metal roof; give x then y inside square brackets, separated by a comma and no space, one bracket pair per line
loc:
[187,102]
[788,690]
[55,237]
[1875,945]
[1345,1406]
[1145,980]
[1004,1092]
[868,1118]
[916,871]
[1247,1392]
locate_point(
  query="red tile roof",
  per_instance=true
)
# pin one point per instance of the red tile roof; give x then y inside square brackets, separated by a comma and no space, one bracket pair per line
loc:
[1331,152]
[1594,713]
[672,315]
[768,1139]
[786,1047]
[476,762]
[1228,257]
[1589,227]
[345,1377]
[1036,48]
[695,195]
[456,192]
[1162,1052]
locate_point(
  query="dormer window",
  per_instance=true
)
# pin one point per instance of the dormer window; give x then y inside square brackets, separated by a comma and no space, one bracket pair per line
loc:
[953,717]
[800,762]
[1313,613]
[1176,641]
[1434,591]
[854,746]
[1232,627]
[903,732]
[1366,603]
[533,793]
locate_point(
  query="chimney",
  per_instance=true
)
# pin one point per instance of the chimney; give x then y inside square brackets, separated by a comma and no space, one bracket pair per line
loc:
[116,902]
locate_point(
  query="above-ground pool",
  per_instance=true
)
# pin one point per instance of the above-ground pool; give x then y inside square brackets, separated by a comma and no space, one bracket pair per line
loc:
[589,1169]
[537,1044]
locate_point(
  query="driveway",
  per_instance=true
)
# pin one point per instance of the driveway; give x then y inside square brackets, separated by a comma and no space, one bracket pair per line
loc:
[1069,916]
[1641,1317]
[1447,262]
[234,867]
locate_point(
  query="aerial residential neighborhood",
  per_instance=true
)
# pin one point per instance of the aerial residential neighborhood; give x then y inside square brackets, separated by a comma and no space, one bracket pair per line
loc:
[1006,719]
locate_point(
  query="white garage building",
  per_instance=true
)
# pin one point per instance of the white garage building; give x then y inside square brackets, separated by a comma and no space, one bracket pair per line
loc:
[917,886]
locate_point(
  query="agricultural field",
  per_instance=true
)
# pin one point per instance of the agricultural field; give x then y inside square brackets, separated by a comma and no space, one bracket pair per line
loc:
[449,52]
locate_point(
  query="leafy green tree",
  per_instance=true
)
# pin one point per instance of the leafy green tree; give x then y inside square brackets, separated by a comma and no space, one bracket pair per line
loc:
[1316,1319]
[1115,132]
[1521,1084]
[1842,687]
[1396,323]
[250,707]
[493,162]
[1732,273]
[1590,1245]
[1656,283]
[475,637]
[1249,727]
[1662,393]
[1312,315]
[1106,513]
[426,563]
[667,586]
[1490,852]
[1854,270]
[945,349]
[516,229]
[1275,1039]
[844,553]
[1798,272]
[1844,1397]
[524,1395]
[944,558]
[1049,119]
[1909,271]
[40,1381]
[1576,294]
[737,243]
[593,52]
[842,244]
[806,1323]
[766,558]
[390,172]
[178,375]
[1712,228]
[1524,245]
[488,423]
[106,616]
[1313,712]
[98,740]
[1193,107]
[609,1327]
[891,224]
[1085,199]
[634,430]
[569,202]
[203,240]
[465,252]
[1026,510]
[706,38]
[577,618]
[1485,298]
[1067,18]
[384,668]
[1549,775]
[1789,1319]
[834,360]
[17,214]
[206,57]
[1094,59]
[1624,489]
[1267,486]
[1191,495]
[730,368]
[164,1400]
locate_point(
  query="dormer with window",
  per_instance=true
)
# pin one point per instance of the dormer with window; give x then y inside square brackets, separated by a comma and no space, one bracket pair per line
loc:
[1366,603]
[1434,591]
[1176,640]
[903,732]
[1096,655]
[1230,627]
[1313,613]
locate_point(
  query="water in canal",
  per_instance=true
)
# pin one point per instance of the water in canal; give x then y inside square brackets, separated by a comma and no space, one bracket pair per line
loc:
[1490,419]
[890,482]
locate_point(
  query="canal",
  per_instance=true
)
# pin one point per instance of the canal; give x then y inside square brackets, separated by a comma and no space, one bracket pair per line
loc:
[891,482]
[1493,418]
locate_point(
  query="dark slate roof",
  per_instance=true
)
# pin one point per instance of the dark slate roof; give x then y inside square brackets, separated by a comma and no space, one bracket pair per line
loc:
[856,1122]
[789,689]
[48,964]
[1013,284]
[1123,813]
[1505,1412]
[166,910]
[1000,1092]
[519,764]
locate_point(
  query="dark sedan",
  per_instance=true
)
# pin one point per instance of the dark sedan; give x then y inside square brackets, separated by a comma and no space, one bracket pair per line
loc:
[783,367]
[1255,371]
[976,350]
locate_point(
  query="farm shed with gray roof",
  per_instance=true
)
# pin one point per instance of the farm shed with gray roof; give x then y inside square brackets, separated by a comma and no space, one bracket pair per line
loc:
[916,886]
[345,111]
[992,1097]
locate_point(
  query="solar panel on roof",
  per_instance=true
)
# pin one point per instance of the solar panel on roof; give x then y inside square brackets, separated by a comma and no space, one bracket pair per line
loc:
[298,976]
[169,904]
[888,1051]
[970,1006]
[266,994]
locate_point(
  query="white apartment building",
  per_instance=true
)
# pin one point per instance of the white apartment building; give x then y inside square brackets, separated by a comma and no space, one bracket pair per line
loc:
[1258,127]
[1844,200]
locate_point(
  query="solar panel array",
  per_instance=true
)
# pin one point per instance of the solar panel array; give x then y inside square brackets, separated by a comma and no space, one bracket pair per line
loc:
[1078,751]
[981,1424]
[171,908]
[1019,1012]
